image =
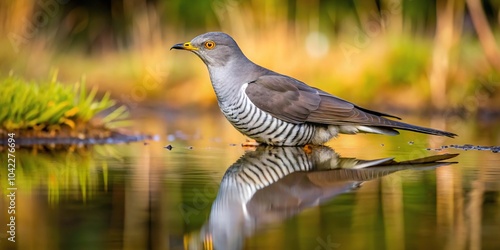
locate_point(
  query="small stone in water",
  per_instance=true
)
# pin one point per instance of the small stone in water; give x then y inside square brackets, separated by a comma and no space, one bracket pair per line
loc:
[410,142]
[169,147]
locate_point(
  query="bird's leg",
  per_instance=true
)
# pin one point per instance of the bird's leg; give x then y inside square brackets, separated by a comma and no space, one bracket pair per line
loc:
[250,145]
[308,149]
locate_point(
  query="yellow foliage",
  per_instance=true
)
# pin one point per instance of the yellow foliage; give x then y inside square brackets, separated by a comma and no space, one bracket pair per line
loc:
[71,112]
[69,122]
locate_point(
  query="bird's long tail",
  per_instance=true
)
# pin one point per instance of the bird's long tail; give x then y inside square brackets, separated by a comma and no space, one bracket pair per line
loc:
[388,126]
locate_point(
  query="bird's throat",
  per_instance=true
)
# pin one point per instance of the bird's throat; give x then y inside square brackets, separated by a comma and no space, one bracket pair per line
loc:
[226,83]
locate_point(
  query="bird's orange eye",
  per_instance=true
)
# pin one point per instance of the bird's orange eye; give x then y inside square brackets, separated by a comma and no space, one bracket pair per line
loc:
[209,44]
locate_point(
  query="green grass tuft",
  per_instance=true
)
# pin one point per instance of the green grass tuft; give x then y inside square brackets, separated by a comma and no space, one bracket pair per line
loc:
[51,104]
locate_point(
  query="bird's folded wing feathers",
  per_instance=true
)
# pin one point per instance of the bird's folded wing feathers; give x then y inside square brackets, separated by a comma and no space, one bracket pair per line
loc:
[293,101]
[283,98]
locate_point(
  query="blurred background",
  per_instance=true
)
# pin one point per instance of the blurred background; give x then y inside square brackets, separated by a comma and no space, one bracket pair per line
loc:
[435,63]
[412,56]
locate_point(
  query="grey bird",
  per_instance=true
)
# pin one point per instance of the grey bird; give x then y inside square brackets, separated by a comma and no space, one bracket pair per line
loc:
[271,184]
[279,110]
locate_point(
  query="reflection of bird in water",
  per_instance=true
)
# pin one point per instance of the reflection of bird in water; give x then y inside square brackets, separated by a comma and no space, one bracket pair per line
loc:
[273,183]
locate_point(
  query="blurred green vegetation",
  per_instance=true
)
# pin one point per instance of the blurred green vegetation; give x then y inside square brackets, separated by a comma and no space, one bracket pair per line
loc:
[52,106]
[412,55]
[62,174]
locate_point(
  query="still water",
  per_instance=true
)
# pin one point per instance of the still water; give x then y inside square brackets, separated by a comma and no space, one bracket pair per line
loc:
[210,192]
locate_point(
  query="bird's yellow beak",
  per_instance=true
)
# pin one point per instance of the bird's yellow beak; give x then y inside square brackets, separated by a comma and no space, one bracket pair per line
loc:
[184,46]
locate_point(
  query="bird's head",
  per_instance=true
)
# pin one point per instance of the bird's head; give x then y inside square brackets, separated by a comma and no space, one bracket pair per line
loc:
[214,48]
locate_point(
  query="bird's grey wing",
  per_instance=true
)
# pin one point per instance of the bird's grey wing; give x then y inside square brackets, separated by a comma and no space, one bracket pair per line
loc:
[283,97]
[328,112]
[293,101]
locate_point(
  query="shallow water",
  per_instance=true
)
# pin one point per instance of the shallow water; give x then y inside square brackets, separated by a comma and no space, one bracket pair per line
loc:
[144,196]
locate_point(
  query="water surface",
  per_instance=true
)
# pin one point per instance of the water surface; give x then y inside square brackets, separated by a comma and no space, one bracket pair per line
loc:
[144,196]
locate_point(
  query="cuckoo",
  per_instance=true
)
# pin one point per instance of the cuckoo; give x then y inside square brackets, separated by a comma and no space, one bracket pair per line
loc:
[279,110]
